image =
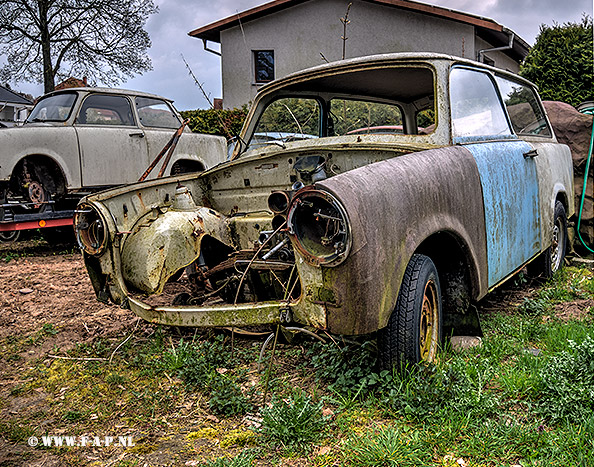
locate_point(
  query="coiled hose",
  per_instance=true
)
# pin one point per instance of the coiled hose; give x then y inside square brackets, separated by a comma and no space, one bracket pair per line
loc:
[588,110]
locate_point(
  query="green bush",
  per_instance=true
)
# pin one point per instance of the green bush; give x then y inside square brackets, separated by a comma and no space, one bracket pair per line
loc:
[226,397]
[348,370]
[225,123]
[244,459]
[293,422]
[560,62]
[198,364]
[567,390]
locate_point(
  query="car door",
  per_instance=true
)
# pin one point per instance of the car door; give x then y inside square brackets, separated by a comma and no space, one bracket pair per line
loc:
[159,123]
[113,149]
[508,174]
[553,160]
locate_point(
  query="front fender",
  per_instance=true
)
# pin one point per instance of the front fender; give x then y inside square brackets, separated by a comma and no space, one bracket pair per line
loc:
[393,206]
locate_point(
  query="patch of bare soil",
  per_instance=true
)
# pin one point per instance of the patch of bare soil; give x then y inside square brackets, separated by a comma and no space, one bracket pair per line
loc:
[55,290]
[47,298]
[577,309]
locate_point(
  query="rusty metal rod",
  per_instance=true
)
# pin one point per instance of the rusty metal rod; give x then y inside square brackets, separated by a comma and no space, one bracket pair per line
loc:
[170,144]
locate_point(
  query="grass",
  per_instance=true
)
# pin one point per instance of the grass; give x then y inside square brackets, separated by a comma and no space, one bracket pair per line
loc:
[525,397]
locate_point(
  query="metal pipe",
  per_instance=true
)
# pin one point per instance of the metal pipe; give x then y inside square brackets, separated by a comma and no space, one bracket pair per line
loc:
[275,249]
[481,53]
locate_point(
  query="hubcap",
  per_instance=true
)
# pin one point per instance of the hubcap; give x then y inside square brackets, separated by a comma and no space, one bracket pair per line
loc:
[557,245]
[429,322]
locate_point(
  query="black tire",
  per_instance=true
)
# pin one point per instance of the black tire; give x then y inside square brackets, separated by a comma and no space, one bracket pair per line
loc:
[551,260]
[413,333]
[10,236]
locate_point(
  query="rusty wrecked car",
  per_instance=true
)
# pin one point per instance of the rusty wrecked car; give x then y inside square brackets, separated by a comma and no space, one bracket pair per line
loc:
[452,182]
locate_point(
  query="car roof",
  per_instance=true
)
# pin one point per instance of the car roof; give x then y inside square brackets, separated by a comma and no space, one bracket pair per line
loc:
[378,60]
[115,91]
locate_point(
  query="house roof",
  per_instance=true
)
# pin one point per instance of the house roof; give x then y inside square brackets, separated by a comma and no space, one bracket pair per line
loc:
[8,96]
[486,28]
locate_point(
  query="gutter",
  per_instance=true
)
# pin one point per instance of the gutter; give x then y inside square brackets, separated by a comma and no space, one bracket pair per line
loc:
[481,53]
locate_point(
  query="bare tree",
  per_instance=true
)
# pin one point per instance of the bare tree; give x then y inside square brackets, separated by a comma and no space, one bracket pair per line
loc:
[45,40]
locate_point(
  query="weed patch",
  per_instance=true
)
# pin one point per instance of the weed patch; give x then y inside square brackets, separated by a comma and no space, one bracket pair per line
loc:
[293,422]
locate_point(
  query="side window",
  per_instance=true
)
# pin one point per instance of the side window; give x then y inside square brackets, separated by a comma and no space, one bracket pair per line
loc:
[475,105]
[525,112]
[101,109]
[263,66]
[156,113]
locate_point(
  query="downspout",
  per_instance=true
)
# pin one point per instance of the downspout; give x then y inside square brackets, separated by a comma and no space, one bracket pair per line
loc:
[590,111]
[212,51]
[481,53]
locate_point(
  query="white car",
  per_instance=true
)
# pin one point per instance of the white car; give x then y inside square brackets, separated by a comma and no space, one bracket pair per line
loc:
[82,140]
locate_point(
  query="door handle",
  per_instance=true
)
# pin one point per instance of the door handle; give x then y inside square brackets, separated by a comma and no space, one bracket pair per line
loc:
[140,134]
[531,154]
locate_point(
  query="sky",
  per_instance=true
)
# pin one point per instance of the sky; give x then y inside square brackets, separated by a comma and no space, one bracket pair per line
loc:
[169,29]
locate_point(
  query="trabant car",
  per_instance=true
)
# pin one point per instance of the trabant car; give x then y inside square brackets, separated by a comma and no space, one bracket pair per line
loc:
[389,234]
[82,140]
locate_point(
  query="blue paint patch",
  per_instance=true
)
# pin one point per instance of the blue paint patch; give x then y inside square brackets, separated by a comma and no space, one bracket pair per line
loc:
[510,194]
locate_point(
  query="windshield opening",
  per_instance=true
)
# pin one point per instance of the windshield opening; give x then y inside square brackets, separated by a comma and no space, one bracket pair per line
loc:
[397,100]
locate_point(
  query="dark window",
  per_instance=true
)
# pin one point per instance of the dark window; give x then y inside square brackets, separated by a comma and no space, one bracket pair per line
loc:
[526,115]
[156,113]
[101,109]
[264,65]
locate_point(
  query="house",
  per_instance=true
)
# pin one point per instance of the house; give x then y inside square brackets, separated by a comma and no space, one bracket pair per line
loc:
[72,83]
[283,36]
[14,108]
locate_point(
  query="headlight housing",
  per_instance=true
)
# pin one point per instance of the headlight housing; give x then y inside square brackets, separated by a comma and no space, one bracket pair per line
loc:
[91,231]
[319,226]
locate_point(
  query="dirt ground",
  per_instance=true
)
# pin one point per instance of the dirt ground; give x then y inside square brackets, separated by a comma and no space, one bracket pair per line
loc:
[46,286]
[45,289]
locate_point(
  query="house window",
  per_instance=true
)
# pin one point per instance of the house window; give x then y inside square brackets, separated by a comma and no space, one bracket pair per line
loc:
[264,65]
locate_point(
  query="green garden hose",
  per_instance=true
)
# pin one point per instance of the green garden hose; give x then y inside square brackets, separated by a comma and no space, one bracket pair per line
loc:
[589,110]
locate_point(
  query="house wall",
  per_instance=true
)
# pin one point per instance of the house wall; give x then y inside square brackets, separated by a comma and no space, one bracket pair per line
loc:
[299,34]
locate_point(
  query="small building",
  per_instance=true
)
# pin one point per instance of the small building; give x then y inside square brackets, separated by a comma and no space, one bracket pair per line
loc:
[72,83]
[282,36]
[14,108]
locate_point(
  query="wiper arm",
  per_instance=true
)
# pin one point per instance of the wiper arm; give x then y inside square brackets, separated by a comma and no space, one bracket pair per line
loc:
[278,143]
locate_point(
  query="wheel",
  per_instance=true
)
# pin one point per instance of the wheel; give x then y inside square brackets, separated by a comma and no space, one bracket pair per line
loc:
[413,333]
[551,260]
[10,237]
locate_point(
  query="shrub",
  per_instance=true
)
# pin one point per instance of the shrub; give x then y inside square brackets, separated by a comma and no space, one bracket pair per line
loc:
[293,422]
[567,390]
[225,123]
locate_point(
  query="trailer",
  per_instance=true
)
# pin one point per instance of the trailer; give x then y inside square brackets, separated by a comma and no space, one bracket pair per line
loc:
[16,216]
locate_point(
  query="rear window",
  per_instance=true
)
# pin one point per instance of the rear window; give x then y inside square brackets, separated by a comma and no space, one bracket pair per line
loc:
[526,115]
[156,113]
[362,117]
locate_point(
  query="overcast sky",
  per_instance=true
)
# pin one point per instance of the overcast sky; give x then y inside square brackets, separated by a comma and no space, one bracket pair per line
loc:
[169,29]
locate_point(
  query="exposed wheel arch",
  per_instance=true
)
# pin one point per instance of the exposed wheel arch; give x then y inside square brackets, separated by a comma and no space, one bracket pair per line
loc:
[182,166]
[40,169]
